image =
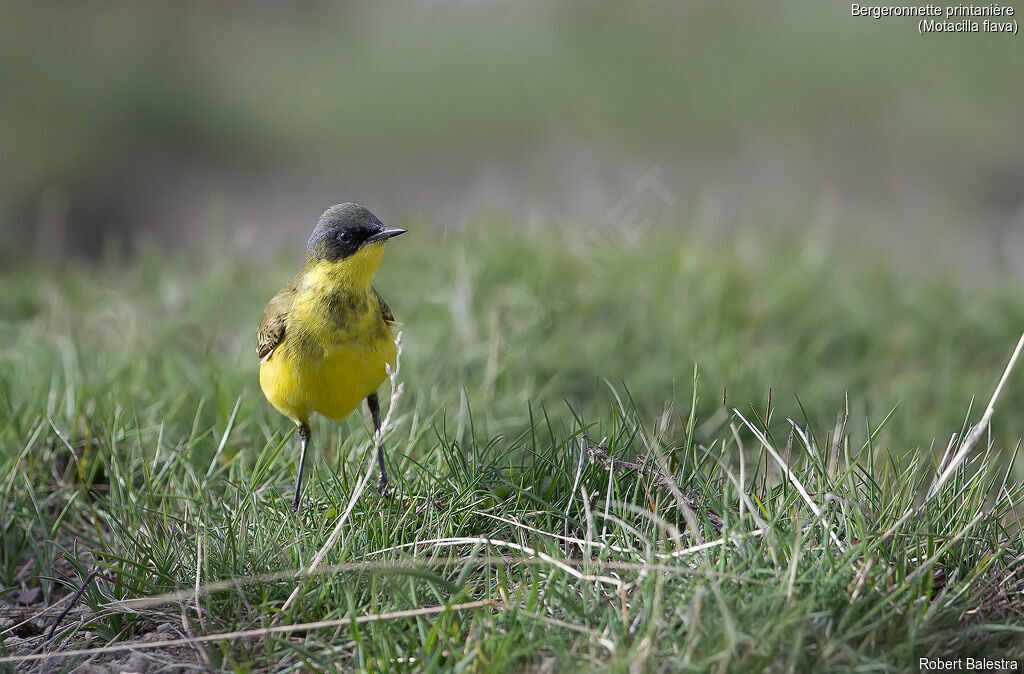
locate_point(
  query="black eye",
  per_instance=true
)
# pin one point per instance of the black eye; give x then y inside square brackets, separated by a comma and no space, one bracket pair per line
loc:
[345,236]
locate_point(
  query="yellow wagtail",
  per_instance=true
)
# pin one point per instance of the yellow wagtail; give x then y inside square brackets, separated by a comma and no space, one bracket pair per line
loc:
[325,337]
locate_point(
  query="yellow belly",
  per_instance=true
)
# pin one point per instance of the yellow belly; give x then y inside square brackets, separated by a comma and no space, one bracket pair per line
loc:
[331,380]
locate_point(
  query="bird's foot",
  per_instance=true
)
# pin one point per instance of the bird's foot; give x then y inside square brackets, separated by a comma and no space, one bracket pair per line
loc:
[383,488]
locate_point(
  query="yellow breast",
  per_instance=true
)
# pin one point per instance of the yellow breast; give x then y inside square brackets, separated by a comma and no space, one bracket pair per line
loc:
[333,354]
[332,384]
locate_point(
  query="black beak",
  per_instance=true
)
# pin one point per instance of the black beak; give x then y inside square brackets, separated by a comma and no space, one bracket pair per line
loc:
[386,233]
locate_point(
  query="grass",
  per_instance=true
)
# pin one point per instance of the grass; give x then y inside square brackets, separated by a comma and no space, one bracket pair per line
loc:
[572,490]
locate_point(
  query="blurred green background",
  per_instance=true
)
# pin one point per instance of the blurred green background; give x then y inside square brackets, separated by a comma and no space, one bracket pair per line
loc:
[836,201]
[128,121]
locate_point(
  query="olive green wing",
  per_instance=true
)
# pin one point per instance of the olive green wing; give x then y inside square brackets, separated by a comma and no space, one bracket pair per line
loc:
[385,310]
[275,320]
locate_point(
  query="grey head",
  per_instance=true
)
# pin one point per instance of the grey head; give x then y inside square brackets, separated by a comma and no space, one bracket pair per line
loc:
[345,228]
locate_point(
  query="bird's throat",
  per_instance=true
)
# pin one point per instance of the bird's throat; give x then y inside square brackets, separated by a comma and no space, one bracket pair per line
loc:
[354,272]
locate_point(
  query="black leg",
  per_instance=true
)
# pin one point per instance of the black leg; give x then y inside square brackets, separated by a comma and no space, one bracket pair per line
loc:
[304,440]
[374,405]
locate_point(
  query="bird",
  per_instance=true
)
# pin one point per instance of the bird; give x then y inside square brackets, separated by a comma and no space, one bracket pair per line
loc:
[325,341]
